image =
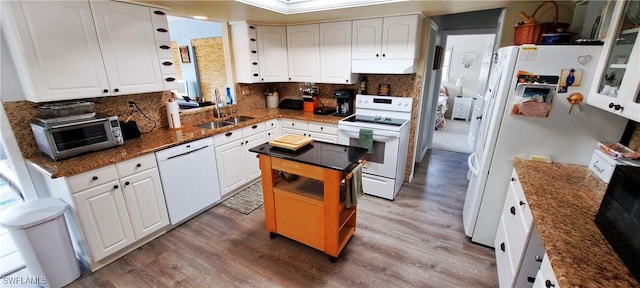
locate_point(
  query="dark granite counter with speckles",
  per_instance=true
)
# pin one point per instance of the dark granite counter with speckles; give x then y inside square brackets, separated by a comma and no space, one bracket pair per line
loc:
[564,200]
[159,139]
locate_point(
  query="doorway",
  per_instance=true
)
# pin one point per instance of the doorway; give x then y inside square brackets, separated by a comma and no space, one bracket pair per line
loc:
[464,71]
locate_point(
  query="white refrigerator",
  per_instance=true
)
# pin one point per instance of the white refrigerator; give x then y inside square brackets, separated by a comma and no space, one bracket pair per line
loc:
[564,137]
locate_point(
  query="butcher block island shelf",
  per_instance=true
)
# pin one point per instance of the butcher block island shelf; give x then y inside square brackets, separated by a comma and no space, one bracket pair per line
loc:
[311,209]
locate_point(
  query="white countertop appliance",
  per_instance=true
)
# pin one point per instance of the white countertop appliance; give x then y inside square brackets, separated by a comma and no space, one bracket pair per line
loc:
[388,119]
[189,178]
[564,137]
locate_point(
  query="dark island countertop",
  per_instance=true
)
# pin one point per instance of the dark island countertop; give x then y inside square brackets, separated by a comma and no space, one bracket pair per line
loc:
[564,200]
[322,154]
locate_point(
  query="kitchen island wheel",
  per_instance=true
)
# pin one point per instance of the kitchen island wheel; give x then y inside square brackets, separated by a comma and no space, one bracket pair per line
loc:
[272,235]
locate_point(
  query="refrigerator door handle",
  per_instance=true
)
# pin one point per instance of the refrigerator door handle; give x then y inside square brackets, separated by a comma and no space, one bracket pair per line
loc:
[470,162]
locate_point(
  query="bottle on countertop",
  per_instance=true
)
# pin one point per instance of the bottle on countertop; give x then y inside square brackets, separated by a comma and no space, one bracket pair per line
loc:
[363,85]
[229,99]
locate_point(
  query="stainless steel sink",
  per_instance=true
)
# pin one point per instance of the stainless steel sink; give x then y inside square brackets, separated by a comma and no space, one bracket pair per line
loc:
[236,120]
[213,125]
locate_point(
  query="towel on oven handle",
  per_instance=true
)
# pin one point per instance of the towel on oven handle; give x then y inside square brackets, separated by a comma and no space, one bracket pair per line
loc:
[365,139]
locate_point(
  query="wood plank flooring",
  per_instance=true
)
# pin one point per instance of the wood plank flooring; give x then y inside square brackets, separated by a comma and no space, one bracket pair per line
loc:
[415,241]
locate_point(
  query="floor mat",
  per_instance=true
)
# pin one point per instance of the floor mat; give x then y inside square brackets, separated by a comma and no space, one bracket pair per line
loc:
[247,200]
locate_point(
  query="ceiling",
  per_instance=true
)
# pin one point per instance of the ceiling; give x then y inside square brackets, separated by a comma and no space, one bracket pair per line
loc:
[229,11]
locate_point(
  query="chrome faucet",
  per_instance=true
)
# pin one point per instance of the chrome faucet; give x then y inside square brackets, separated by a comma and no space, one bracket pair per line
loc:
[216,98]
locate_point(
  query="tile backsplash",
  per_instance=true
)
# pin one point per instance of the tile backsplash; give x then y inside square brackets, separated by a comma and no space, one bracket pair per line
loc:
[152,114]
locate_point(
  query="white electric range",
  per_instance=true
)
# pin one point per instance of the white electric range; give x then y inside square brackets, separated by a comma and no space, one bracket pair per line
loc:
[388,118]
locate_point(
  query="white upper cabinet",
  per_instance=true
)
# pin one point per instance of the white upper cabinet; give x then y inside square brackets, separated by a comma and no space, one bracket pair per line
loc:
[400,37]
[303,49]
[367,39]
[386,38]
[272,53]
[616,87]
[335,53]
[64,51]
[55,49]
[386,45]
[128,47]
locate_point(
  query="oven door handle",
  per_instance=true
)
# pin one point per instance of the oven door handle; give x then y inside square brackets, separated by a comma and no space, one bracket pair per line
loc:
[376,134]
[78,123]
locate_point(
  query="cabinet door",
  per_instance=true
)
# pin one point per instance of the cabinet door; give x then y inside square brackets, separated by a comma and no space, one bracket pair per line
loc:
[104,218]
[367,39]
[335,53]
[506,271]
[55,49]
[145,202]
[231,167]
[272,53]
[399,37]
[616,87]
[251,162]
[303,50]
[127,42]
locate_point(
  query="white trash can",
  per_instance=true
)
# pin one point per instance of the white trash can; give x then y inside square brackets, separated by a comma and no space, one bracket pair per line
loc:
[40,232]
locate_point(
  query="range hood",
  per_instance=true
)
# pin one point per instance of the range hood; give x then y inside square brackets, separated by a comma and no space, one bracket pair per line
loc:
[384,66]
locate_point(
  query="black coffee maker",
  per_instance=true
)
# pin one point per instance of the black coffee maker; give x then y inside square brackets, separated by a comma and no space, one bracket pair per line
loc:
[344,99]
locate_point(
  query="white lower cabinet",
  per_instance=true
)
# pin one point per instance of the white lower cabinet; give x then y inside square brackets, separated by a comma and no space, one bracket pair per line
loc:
[236,165]
[272,128]
[519,249]
[103,214]
[316,130]
[545,278]
[119,204]
[145,203]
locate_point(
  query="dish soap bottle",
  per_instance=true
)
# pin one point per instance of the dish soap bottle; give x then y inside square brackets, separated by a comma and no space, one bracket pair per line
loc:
[229,99]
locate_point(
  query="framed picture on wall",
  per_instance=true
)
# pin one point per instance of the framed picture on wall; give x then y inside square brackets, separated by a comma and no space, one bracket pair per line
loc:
[184,54]
[384,90]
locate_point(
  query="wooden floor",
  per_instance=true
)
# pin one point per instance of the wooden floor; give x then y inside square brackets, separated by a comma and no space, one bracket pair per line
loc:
[415,241]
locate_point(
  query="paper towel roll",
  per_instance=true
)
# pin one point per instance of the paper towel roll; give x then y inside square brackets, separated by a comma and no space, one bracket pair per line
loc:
[173,114]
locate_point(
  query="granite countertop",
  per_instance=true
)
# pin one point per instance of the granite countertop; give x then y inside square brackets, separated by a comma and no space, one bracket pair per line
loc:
[159,139]
[564,200]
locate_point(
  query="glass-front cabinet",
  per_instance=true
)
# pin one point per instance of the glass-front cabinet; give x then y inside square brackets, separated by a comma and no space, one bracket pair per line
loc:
[617,88]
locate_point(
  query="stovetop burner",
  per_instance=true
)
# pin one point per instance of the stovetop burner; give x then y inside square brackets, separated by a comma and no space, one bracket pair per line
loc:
[376,119]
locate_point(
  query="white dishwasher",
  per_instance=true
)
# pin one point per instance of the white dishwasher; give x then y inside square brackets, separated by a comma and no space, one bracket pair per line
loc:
[189,178]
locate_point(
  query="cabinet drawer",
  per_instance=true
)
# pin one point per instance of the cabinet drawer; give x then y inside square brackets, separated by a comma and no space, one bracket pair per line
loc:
[227,137]
[294,132]
[272,124]
[323,128]
[92,178]
[272,134]
[323,137]
[459,114]
[136,165]
[252,129]
[294,124]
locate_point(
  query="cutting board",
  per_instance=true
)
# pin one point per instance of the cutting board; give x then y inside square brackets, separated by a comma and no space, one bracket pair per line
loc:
[291,142]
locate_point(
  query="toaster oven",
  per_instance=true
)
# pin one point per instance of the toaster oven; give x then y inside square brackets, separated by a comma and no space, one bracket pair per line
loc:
[65,137]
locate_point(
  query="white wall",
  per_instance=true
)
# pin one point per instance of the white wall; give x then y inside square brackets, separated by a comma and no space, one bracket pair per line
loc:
[463,46]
